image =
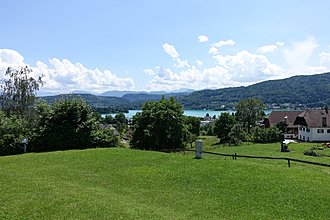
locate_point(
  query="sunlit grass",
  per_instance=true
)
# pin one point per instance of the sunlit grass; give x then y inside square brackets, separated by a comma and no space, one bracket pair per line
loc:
[131,184]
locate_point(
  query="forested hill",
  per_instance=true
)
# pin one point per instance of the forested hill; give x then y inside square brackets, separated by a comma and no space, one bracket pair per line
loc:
[312,91]
[102,104]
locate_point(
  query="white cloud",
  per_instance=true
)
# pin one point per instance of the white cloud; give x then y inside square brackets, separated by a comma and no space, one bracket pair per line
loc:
[221,43]
[213,50]
[203,38]
[9,58]
[241,69]
[65,76]
[191,77]
[325,60]
[150,72]
[299,54]
[214,47]
[248,67]
[199,62]
[270,48]
[267,49]
[171,51]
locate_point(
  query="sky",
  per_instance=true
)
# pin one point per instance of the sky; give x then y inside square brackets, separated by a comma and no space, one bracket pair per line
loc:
[163,45]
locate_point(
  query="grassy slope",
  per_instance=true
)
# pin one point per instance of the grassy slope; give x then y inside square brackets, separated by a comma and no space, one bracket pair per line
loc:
[211,143]
[128,184]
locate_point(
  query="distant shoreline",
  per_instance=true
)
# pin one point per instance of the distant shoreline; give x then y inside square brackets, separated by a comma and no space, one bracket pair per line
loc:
[187,112]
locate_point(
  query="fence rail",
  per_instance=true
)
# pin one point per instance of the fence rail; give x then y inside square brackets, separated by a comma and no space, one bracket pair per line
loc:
[234,156]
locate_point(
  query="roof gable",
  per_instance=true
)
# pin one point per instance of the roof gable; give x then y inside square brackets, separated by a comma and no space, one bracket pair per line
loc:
[277,116]
[314,118]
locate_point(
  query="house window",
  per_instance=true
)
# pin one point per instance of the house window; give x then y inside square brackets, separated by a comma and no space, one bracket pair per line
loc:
[300,128]
[308,130]
[328,131]
[303,129]
[320,131]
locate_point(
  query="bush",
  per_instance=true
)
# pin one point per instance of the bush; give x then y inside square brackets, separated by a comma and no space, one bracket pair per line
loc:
[266,135]
[159,126]
[312,152]
[70,124]
[104,138]
[12,130]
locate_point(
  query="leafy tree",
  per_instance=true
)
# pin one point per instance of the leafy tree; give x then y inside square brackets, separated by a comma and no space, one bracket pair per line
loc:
[159,126]
[18,92]
[238,134]
[248,111]
[70,124]
[12,130]
[191,129]
[208,129]
[193,124]
[108,119]
[223,126]
[268,135]
[121,118]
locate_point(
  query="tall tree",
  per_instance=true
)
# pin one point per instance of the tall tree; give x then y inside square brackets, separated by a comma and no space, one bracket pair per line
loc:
[18,91]
[248,111]
[223,126]
[159,126]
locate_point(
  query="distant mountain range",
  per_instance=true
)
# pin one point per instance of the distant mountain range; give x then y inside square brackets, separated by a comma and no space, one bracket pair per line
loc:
[309,91]
[116,93]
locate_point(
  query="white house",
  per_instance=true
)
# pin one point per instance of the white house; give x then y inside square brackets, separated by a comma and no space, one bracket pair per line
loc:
[314,125]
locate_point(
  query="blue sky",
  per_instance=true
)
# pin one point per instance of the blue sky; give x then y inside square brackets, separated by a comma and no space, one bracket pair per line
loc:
[164,45]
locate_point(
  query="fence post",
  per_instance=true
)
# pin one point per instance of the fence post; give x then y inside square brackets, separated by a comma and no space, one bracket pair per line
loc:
[235,156]
[289,163]
[199,148]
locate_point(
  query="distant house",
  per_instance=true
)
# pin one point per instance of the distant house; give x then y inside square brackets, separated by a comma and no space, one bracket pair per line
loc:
[111,127]
[206,120]
[313,125]
[287,117]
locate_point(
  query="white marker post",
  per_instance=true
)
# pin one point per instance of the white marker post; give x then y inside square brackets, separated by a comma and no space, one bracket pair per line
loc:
[24,142]
[199,147]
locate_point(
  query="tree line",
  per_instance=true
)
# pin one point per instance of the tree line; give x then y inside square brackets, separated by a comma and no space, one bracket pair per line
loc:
[68,123]
[71,123]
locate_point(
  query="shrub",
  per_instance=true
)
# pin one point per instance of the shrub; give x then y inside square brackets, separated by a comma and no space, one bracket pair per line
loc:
[312,151]
[70,124]
[12,130]
[159,126]
[266,135]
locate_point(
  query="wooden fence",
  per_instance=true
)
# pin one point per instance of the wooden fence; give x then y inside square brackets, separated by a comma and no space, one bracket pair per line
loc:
[234,156]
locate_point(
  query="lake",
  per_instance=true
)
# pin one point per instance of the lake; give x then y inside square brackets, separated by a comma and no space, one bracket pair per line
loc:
[195,113]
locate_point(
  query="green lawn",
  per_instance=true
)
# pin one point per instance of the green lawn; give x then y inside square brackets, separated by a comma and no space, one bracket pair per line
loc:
[130,184]
[211,143]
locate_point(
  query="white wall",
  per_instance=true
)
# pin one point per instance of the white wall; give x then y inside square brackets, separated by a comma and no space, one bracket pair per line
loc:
[312,135]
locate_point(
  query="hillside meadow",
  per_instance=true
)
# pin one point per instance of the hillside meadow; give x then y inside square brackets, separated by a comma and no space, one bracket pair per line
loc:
[120,183]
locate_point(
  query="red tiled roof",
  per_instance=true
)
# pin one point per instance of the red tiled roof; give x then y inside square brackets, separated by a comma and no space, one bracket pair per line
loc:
[314,118]
[277,116]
